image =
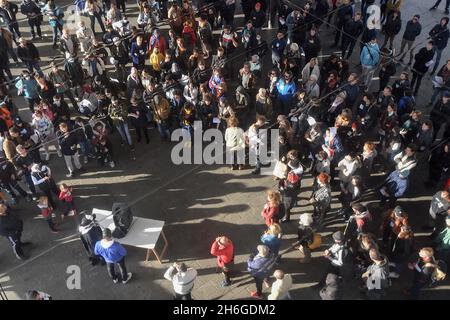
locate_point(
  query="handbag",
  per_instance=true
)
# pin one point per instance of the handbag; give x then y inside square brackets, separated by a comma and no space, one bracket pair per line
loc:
[317,241]
[280,170]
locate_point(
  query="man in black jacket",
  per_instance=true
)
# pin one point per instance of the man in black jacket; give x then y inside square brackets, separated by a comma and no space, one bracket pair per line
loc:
[30,9]
[440,35]
[8,12]
[412,30]
[120,57]
[344,14]
[11,227]
[8,181]
[440,114]
[61,80]
[352,30]
[68,142]
[29,54]
[258,17]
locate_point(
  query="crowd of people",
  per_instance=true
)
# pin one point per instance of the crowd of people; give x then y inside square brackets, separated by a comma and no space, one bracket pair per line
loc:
[332,122]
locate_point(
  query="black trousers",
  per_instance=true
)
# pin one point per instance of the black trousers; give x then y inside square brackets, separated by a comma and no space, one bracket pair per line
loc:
[186,296]
[416,80]
[139,130]
[447,4]
[35,23]
[122,270]
[16,243]
[347,44]
[47,189]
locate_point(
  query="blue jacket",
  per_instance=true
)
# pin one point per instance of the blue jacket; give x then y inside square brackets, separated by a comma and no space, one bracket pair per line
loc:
[262,266]
[138,54]
[396,186]
[272,242]
[278,46]
[370,55]
[112,254]
[286,90]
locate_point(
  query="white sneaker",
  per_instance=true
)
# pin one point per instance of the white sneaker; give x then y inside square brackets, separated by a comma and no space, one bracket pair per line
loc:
[47,156]
[115,280]
[85,160]
[59,154]
[128,278]
[112,164]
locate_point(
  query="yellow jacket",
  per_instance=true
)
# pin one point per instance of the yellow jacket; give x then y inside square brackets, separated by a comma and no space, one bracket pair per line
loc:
[155,61]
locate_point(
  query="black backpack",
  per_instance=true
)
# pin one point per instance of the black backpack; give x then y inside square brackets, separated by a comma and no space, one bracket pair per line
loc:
[123,218]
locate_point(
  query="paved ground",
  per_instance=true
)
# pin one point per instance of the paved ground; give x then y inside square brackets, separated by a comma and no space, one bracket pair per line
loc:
[198,203]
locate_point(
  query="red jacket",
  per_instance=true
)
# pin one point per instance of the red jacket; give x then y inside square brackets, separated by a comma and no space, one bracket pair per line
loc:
[270,214]
[66,196]
[225,255]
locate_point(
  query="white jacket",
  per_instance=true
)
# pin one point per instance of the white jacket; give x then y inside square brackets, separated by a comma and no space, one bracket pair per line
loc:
[404,163]
[280,288]
[347,169]
[183,282]
[306,73]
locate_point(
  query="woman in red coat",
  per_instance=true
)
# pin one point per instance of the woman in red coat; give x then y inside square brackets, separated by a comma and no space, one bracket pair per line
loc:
[271,209]
[223,249]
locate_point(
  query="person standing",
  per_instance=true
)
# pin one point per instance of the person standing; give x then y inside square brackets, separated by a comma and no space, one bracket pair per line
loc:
[68,142]
[422,62]
[343,15]
[61,81]
[29,54]
[30,9]
[8,12]
[439,35]
[11,227]
[42,178]
[183,279]
[412,31]
[93,9]
[55,19]
[114,255]
[281,286]
[370,56]
[119,114]
[223,249]
[377,275]
[353,28]
[438,2]
[423,271]
[392,28]
[260,265]
[138,53]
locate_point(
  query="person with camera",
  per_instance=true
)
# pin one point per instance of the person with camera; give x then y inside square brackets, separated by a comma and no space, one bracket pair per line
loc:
[114,254]
[68,142]
[183,279]
[223,249]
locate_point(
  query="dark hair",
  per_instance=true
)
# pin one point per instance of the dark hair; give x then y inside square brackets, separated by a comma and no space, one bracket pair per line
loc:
[358,207]
[182,267]
[412,146]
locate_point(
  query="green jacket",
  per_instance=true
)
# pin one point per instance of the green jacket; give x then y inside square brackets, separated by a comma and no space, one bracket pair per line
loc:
[443,240]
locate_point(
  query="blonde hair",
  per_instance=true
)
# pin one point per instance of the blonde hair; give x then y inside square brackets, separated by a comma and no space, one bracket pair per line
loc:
[369,146]
[274,196]
[274,229]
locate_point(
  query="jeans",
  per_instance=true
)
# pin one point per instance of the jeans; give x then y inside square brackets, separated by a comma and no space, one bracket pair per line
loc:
[259,284]
[35,23]
[34,65]
[55,30]
[13,27]
[389,38]
[367,75]
[30,183]
[13,55]
[438,59]
[122,269]
[164,130]
[411,47]
[139,130]
[97,16]
[122,127]
[76,160]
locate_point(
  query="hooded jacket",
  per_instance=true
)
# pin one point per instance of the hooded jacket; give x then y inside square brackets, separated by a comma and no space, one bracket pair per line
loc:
[440,34]
[332,289]
[378,276]
[260,267]
[370,55]
[112,251]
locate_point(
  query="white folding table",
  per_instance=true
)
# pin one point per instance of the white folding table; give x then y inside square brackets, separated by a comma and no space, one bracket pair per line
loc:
[143,233]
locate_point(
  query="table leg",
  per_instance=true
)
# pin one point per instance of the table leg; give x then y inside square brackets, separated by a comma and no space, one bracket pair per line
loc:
[156,255]
[159,257]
